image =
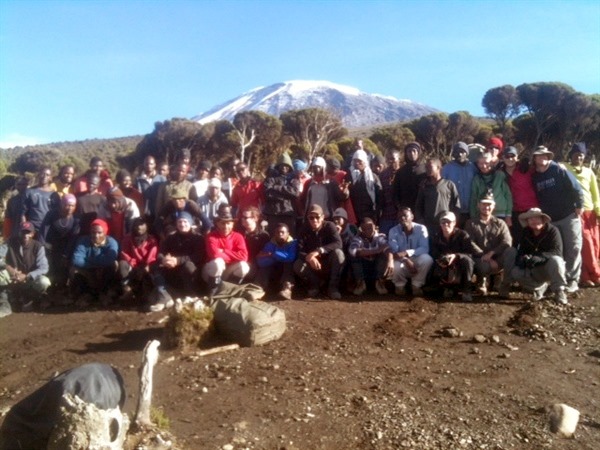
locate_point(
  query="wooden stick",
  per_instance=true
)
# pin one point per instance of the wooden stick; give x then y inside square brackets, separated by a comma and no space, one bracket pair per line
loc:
[149,360]
[224,348]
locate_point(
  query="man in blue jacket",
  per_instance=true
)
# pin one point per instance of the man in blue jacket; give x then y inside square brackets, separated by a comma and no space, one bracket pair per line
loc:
[276,260]
[94,265]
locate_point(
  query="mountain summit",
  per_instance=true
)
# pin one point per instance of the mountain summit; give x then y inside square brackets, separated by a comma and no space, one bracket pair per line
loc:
[355,108]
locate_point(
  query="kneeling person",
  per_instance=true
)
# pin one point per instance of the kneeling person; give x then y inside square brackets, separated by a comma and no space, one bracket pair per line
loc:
[368,256]
[276,259]
[320,253]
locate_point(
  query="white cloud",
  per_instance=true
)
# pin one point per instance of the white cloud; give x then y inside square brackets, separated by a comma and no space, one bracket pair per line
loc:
[18,140]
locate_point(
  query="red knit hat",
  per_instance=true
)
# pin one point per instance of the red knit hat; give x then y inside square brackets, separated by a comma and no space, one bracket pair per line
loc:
[496,142]
[101,223]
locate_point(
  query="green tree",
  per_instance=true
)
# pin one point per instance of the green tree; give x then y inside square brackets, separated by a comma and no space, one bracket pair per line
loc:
[462,126]
[502,104]
[392,137]
[430,131]
[257,134]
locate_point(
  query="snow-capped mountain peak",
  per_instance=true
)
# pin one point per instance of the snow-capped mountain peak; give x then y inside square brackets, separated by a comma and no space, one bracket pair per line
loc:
[355,108]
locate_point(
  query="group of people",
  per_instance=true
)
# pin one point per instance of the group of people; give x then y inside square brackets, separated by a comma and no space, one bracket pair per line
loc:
[484,221]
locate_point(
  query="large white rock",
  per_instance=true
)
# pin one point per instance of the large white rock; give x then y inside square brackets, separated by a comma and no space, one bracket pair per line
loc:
[84,426]
[563,419]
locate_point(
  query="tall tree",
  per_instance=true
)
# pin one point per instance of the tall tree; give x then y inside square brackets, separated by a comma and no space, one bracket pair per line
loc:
[462,126]
[256,133]
[392,137]
[430,131]
[312,128]
[502,104]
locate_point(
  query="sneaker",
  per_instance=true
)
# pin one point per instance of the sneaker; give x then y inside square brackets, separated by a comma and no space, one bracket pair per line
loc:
[163,301]
[482,287]
[400,290]
[286,292]
[467,297]
[539,293]
[561,297]
[588,284]
[572,287]
[334,294]
[380,287]
[417,291]
[360,288]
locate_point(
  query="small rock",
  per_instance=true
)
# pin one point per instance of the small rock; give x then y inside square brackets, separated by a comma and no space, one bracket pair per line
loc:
[227,447]
[496,339]
[563,419]
[450,332]
[504,355]
[479,338]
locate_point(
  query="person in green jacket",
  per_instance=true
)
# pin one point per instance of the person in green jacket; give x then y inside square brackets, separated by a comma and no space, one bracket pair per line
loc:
[489,180]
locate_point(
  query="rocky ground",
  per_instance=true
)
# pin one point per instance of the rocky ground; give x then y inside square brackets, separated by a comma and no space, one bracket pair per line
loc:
[374,374]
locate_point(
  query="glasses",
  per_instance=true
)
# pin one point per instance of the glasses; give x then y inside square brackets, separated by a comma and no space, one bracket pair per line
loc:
[314,217]
[445,222]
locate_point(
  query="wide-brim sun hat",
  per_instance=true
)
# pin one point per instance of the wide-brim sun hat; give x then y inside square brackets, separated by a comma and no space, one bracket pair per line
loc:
[533,212]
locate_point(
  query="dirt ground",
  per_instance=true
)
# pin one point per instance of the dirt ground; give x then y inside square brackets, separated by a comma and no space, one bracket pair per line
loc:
[381,373]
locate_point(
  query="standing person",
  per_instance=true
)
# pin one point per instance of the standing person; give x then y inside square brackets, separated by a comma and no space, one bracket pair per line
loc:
[282,191]
[538,263]
[461,172]
[64,182]
[40,199]
[334,172]
[276,262]
[148,183]
[561,197]
[321,190]
[453,251]
[409,177]
[80,186]
[489,179]
[320,254]
[590,250]
[409,253]
[248,192]
[226,253]
[210,202]
[389,211]
[166,219]
[368,257]
[27,267]
[493,238]
[202,177]
[91,205]
[363,188]
[177,180]
[435,195]
[121,212]
[519,178]
[61,230]
[13,214]
[495,149]
[125,183]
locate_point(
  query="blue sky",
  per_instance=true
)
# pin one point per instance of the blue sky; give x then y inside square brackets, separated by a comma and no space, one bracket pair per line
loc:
[72,70]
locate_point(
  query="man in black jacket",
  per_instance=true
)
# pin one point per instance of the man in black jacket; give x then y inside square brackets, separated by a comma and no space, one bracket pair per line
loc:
[319,253]
[539,262]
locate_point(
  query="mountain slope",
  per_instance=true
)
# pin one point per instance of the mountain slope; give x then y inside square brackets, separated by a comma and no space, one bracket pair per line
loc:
[355,108]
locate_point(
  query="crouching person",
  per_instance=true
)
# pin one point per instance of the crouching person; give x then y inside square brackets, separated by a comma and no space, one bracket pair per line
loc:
[320,254]
[539,263]
[138,253]
[176,267]
[368,257]
[226,252]
[453,252]
[25,269]
[276,262]
[94,265]
[409,258]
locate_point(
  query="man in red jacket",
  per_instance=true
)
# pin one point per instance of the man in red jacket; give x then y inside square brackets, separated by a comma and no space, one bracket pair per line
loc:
[226,252]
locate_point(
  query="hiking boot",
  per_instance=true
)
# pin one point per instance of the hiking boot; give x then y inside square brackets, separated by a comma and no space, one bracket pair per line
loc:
[380,287]
[286,291]
[560,297]
[504,291]
[482,287]
[27,306]
[400,290]
[467,297]
[313,293]
[334,294]
[360,288]
[572,286]
[448,293]
[417,291]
